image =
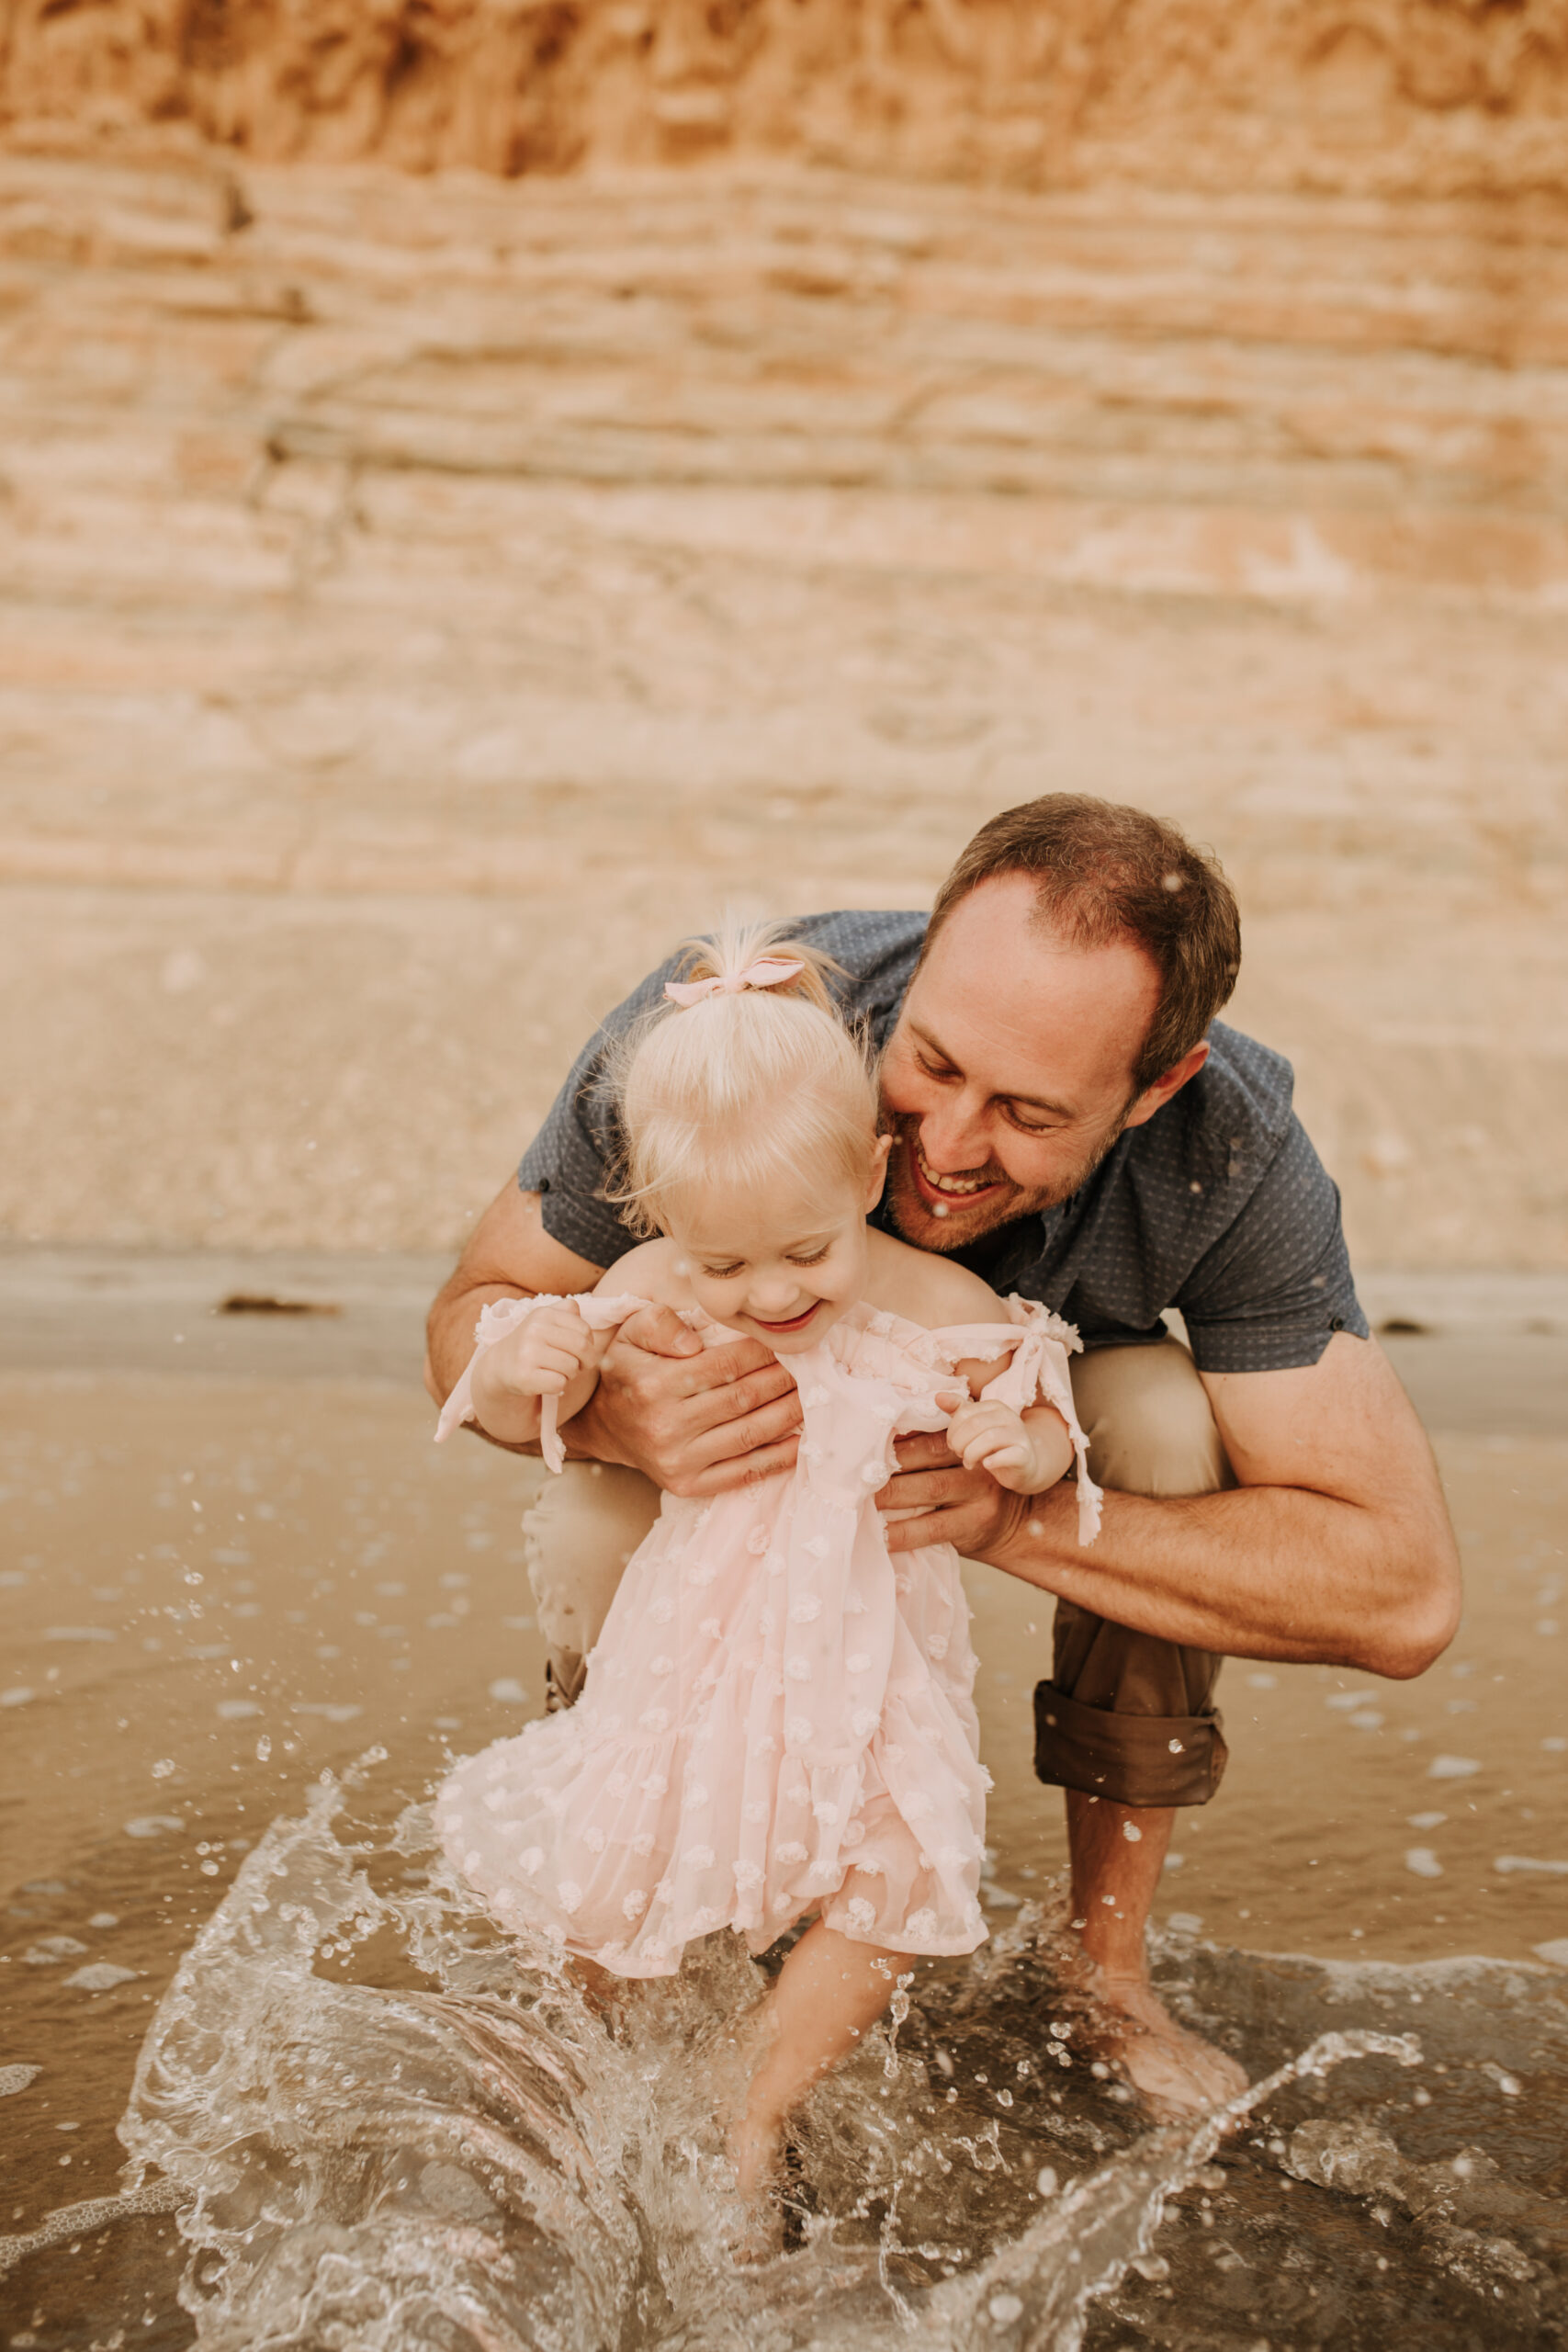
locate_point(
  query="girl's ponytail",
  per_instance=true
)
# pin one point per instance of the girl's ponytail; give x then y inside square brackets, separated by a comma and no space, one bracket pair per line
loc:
[746,1074]
[751,956]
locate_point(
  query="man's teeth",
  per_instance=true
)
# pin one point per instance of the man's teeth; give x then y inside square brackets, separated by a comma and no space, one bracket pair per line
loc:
[956,1185]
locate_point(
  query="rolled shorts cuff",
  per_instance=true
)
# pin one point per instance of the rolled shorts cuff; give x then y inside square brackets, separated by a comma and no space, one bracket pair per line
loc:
[1134,1759]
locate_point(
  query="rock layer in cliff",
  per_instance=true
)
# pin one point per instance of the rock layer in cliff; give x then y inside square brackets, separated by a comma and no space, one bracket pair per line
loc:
[1435,97]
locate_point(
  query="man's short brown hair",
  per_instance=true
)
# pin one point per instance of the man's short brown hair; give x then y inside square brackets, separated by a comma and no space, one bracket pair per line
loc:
[1104,871]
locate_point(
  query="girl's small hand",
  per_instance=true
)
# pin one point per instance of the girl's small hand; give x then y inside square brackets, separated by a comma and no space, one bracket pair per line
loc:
[989,1436]
[545,1354]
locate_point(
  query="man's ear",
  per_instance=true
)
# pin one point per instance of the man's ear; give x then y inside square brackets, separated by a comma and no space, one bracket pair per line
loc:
[878,1176]
[1154,1098]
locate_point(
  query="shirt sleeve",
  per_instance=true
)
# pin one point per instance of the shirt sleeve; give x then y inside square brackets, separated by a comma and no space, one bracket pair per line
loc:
[1273,1290]
[569,1159]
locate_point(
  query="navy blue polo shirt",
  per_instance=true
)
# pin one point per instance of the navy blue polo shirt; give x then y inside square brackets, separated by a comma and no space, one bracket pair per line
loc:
[1218,1205]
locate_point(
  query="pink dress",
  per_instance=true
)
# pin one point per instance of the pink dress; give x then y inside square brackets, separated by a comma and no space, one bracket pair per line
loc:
[777,1717]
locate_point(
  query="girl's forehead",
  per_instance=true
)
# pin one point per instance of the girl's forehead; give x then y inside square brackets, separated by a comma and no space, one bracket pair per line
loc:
[743,1220]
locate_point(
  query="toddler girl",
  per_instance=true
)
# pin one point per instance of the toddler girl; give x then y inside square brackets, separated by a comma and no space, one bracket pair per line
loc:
[777,1720]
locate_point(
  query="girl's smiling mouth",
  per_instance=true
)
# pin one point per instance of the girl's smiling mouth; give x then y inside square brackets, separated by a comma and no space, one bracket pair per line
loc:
[798,1323]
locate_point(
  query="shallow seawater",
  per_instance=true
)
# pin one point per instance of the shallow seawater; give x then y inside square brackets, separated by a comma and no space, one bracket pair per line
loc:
[355,2116]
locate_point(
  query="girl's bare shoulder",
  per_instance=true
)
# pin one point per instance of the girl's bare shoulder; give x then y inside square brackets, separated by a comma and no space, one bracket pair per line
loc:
[654,1270]
[926,1289]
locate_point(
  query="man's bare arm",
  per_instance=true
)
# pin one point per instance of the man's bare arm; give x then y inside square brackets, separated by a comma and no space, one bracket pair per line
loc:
[1334,1547]
[695,1420]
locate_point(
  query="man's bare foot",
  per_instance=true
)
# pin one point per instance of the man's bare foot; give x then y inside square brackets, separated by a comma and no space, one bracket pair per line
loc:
[1175,2069]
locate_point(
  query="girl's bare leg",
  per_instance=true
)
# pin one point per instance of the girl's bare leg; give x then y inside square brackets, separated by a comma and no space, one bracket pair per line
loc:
[829,1991]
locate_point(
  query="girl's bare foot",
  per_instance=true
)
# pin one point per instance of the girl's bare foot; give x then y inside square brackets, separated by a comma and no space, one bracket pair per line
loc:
[756,2149]
[603,1993]
[1174,2068]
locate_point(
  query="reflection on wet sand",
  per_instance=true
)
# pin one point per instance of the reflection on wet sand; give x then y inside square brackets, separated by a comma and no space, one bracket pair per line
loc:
[217,1590]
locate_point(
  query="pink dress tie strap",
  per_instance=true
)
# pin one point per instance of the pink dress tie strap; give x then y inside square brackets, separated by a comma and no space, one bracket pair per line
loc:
[497,1321]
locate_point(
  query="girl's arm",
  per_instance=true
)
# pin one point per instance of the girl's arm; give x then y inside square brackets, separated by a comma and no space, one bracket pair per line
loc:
[1025,1452]
[554,1353]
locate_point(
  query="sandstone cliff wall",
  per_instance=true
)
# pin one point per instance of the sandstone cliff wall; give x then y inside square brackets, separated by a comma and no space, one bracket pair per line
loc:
[1435,97]
[423,600]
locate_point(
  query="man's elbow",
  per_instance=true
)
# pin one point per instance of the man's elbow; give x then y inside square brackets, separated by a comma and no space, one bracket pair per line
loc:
[1417,1629]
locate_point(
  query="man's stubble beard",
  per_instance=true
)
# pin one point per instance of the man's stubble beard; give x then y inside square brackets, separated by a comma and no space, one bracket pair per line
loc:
[958,1231]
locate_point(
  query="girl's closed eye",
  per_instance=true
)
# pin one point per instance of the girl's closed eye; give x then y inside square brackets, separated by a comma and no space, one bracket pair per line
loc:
[725,1274]
[797,1258]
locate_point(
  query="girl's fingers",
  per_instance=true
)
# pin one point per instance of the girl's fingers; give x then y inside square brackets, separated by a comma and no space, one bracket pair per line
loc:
[974,1421]
[991,1426]
[559,1329]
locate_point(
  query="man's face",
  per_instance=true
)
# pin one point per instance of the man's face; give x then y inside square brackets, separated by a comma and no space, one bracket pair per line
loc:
[1009,1075]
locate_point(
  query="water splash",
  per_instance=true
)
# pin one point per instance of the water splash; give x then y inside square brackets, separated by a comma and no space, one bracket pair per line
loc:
[456,2149]
[68,2222]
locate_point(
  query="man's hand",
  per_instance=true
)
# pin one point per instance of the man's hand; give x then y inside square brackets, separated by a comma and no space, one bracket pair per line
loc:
[697,1420]
[964,1508]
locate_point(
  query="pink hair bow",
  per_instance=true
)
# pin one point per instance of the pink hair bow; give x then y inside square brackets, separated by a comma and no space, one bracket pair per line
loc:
[770,972]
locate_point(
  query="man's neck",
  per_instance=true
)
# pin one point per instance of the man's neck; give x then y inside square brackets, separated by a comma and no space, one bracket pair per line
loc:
[990,1249]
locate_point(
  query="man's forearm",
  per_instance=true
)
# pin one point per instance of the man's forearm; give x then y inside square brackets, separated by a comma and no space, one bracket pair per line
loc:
[1274,1572]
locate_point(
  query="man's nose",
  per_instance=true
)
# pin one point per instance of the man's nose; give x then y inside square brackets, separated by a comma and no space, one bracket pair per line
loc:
[953,1138]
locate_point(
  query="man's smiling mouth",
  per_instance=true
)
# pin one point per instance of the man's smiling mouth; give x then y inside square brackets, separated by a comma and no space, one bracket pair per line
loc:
[956,1188]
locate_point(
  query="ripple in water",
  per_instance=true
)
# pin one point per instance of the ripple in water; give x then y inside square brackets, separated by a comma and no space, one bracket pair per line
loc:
[387,2127]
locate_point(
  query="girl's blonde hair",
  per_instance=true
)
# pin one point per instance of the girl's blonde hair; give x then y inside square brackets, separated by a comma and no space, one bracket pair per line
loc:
[742,1085]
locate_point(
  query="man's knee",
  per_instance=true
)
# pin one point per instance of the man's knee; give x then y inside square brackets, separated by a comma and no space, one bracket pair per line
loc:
[1148,1421]
[582,1528]
[1101,1735]
[1127,1715]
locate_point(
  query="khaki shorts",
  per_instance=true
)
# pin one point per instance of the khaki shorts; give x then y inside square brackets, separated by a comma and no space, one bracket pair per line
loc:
[1124,1714]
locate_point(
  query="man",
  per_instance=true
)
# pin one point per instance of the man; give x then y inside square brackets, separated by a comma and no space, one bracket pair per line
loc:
[1073,1123]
